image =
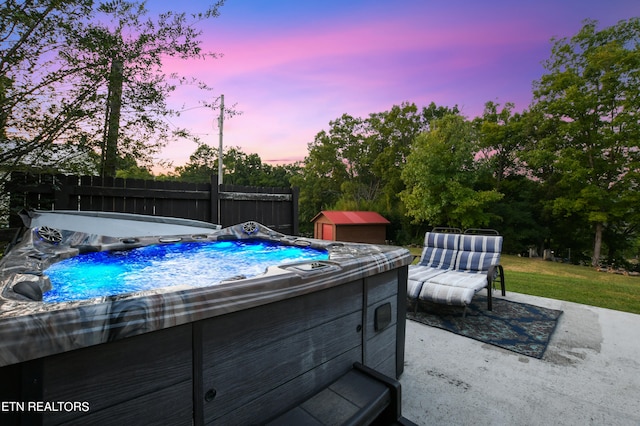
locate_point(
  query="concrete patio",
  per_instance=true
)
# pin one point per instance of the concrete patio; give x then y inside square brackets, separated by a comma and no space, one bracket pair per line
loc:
[589,375]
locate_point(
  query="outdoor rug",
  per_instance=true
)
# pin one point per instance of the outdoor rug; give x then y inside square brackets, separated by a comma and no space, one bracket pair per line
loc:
[518,327]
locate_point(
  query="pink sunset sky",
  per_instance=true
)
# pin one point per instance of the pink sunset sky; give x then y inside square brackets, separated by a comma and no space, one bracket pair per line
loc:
[291,67]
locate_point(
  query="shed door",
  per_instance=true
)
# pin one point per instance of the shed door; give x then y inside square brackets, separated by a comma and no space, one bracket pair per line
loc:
[327,231]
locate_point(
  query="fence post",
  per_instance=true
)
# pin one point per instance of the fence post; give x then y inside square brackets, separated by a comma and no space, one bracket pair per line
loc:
[295,193]
[215,201]
[62,186]
[16,199]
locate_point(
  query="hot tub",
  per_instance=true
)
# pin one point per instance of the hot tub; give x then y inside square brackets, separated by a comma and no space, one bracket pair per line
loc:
[238,351]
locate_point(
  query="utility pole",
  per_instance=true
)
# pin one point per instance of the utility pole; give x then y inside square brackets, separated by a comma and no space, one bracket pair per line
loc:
[220,170]
[220,122]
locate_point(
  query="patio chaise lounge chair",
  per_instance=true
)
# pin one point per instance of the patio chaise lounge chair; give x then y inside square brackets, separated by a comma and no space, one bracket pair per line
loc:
[453,267]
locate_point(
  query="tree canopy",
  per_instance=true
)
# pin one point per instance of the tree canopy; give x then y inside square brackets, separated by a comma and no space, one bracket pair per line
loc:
[90,76]
[589,100]
[239,168]
[442,177]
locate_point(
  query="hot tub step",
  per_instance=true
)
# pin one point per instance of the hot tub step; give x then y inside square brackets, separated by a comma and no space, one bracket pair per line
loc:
[362,396]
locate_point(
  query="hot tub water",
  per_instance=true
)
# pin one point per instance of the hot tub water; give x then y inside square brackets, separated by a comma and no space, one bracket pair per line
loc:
[196,264]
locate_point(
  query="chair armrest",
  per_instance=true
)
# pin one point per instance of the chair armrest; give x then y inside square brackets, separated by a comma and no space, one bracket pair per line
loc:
[496,272]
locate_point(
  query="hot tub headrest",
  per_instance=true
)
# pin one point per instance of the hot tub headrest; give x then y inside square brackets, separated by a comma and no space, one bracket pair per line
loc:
[29,289]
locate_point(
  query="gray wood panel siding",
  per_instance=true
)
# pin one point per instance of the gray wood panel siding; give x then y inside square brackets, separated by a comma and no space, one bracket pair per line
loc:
[249,353]
[110,376]
[243,375]
[251,328]
[145,410]
[379,345]
[296,391]
[381,286]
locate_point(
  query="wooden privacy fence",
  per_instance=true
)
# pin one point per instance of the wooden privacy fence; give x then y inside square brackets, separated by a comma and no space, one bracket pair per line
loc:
[226,205]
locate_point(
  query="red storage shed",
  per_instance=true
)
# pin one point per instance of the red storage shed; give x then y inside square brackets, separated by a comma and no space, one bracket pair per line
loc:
[352,226]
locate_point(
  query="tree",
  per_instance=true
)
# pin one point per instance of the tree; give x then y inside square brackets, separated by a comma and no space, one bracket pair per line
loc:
[501,138]
[32,115]
[442,176]
[391,135]
[243,169]
[128,168]
[91,77]
[517,216]
[202,164]
[126,50]
[322,176]
[590,97]
[239,168]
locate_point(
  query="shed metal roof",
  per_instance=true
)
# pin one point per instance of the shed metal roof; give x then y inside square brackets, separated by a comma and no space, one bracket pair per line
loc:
[352,217]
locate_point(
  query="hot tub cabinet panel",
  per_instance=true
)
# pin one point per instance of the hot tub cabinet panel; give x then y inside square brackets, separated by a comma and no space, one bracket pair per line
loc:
[272,355]
[260,362]
[146,378]
[236,353]
[384,321]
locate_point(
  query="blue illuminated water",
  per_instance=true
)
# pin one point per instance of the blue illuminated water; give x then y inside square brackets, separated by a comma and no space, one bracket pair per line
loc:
[195,264]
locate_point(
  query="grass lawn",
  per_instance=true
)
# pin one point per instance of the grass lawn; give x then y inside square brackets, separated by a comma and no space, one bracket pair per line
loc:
[579,284]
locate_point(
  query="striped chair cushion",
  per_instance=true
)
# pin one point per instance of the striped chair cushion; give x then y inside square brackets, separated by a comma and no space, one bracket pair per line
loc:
[418,274]
[439,255]
[478,253]
[474,282]
[446,294]
[440,250]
